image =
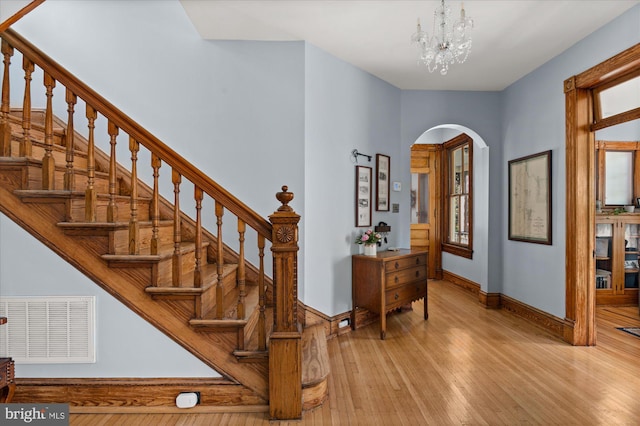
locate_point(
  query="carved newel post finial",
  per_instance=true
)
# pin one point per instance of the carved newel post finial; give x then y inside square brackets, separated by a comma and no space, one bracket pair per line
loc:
[285,197]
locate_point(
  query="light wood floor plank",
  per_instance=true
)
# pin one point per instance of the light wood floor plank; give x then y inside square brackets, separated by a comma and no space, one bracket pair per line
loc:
[465,365]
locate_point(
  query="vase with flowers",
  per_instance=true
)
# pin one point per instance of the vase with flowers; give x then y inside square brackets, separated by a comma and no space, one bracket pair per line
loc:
[369,240]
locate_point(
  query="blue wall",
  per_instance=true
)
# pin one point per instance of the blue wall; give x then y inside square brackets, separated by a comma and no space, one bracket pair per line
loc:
[533,121]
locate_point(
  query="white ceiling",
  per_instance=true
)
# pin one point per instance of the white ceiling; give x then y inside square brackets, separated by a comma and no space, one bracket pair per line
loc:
[510,39]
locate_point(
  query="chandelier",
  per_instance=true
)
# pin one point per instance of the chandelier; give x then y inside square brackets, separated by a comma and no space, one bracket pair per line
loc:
[449,43]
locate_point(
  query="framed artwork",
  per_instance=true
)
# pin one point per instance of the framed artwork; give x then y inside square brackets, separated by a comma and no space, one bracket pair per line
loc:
[363,196]
[383,167]
[530,198]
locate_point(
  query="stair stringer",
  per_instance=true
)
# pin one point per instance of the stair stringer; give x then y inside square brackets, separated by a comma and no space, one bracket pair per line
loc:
[127,285]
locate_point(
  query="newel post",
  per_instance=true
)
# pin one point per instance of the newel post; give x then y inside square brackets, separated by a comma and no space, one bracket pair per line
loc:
[285,344]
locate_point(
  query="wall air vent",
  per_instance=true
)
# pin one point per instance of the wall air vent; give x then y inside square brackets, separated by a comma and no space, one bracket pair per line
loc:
[48,330]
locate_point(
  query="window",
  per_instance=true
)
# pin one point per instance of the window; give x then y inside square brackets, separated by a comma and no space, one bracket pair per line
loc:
[616,101]
[458,196]
[617,173]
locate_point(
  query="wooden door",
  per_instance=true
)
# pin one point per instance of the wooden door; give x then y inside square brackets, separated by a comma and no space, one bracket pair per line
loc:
[425,204]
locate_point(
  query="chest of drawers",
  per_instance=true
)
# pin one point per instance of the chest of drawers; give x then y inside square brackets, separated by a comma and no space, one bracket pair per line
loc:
[388,281]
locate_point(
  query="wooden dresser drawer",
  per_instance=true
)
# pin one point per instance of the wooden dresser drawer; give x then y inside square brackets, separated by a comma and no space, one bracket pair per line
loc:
[403,276]
[405,262]
[407,293]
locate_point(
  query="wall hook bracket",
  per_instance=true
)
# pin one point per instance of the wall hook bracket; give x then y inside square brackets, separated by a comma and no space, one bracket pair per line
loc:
[356,154]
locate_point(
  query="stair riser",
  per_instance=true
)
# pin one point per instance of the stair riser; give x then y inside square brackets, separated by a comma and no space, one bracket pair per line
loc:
[123,210]
[206,302]
[119,240]
[59,156]
[164,269]
[36,136]
[34,180]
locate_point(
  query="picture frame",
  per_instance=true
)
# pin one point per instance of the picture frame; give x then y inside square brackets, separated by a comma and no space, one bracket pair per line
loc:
[363,196]
[530,199]
[383,184]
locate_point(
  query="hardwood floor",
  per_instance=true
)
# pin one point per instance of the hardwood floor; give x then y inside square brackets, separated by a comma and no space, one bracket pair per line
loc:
[465,365]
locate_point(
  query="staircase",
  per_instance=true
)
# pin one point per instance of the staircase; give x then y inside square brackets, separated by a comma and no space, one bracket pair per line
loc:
[142,248]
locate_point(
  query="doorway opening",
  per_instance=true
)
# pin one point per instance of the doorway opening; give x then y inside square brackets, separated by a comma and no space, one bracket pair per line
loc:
[583,119]
[429,149]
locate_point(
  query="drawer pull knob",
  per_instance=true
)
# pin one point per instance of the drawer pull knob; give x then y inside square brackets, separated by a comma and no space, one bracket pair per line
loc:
[397,265]
[417,274]
[395,279]
[417,260]
[396,296]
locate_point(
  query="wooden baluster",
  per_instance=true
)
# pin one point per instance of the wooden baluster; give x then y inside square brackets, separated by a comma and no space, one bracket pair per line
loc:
[90,198]
[262,323]
[156,163]
[69,175]
[48,162]
[112,208]
[220,262]
[25,146]
[197,272]
[176,178]
[5,107]
[134,229]
[241,269]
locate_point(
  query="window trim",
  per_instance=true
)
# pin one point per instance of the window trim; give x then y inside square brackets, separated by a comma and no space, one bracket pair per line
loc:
[463,250]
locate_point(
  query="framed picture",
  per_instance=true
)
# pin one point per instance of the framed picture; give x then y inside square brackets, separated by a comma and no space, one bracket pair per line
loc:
[530,198]
[383,167]
[363,196]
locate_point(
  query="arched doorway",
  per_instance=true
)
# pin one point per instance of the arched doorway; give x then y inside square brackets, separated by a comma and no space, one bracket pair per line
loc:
[475,269]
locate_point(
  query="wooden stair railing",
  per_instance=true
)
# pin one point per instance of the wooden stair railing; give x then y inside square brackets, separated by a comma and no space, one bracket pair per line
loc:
[285,379]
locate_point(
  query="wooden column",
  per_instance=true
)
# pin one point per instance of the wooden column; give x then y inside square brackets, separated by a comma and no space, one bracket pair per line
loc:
[5,127]
[156,163]
[580,217]
[25,146]
[90,197]
[69,179]
[112,208]
[241,269]
[285,350]
[48,162]
[134,226]
[176,275]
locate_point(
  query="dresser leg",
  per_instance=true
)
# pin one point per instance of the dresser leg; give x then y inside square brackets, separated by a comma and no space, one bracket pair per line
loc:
[12,390]
[6,394]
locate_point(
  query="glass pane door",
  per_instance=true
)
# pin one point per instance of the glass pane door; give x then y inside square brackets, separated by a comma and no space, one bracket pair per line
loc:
[604,255]
[631,268]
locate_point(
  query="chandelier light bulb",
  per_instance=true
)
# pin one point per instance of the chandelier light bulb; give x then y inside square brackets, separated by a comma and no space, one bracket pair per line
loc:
[450,42]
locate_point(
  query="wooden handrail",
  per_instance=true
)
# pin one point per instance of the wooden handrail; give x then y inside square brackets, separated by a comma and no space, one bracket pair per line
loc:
[144,137]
